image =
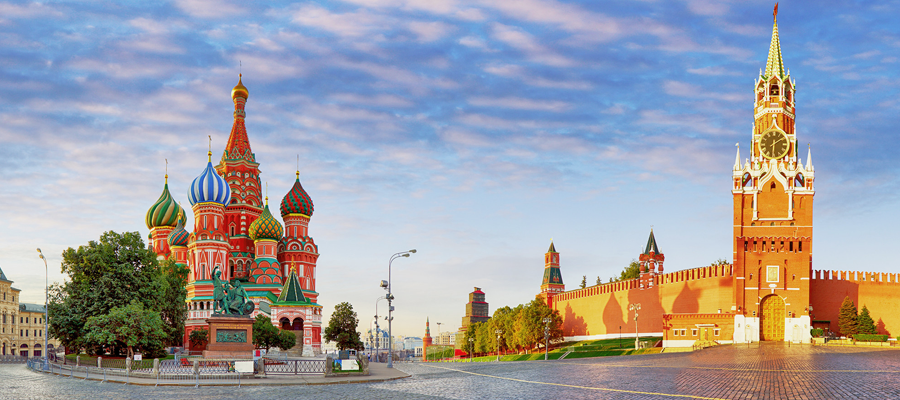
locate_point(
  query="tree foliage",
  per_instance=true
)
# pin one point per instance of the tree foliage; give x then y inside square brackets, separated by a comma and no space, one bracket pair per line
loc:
[266,335]
[864,323]
[112,273]
[130,327]
[199,338]
[520,327]
[342,328]
[599,281]
[583,282]
[632,271]
[847,320]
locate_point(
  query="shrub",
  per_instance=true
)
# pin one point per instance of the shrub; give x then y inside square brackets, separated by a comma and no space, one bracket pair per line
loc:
[817,332]
[870,338]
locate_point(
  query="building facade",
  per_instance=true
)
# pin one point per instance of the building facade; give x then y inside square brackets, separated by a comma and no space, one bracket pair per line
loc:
[236,236]
[21,324]
[769,292]
[477,309]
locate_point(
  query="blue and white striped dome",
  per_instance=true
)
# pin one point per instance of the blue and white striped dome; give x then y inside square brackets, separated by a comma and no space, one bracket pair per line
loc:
[209,187]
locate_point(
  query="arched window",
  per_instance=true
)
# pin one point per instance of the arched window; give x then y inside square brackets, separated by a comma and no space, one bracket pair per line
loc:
[773,90]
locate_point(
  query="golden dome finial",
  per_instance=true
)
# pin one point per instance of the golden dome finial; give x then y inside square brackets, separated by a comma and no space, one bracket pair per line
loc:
[240,90]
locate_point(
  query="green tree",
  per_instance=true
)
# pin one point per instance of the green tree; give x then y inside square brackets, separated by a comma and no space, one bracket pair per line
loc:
[864,322]
[631,272]
[199,338]
[173,307]
[342,328]
[583,282]
[266,335]
[108,274]
[530,325]
[599,281]
[132,327]
[847,320]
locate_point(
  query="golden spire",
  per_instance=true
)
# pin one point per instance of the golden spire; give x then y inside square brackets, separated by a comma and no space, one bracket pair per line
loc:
[240,90]
[167,170]
[209,153]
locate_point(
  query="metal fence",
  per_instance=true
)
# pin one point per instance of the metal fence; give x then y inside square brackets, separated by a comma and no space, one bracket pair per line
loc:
[219,372]
[11,359]
[294,367]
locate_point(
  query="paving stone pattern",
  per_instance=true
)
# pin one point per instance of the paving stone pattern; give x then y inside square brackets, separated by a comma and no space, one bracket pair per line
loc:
[767,371]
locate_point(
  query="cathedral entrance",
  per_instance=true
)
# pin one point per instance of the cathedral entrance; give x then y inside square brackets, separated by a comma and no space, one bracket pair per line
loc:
[771,319]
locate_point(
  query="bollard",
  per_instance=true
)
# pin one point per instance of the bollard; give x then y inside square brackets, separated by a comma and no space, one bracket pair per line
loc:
[77,361]
[99,362]
[128,366]
[196,367]
[156,366]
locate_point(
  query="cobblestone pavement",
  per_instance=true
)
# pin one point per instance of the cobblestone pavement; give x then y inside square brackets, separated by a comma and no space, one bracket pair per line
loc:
[768,371]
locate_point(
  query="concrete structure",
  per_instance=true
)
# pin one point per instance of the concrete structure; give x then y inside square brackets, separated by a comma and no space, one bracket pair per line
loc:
[21,324]
[769,292]
[235,233]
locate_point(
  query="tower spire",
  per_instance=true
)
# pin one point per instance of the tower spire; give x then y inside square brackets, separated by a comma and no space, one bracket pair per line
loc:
[809,166]
[238,147]
[775,64]
[737,157]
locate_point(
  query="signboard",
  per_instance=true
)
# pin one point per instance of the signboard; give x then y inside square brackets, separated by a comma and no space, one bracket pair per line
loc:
[243,366]
[138,357]
[349,365]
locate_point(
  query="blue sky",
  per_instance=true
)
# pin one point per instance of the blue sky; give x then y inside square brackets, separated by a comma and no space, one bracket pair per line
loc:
[472,131]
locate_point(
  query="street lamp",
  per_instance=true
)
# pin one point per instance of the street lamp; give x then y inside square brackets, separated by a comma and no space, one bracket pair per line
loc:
[377,333]
[635,307]
[546,337]
[471,348]
[498,332]
[46,291]
[390,298]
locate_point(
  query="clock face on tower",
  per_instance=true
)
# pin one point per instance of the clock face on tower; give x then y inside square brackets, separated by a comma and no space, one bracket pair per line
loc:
[773,144]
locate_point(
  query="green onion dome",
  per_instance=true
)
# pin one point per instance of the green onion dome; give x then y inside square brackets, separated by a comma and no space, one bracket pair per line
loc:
[164,212]
[266,226]
[297,201]
[179,235]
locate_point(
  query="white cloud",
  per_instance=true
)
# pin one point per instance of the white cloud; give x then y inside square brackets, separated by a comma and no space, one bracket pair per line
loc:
[350,24]
[517,72]
[518,38]
[211,8]
[520,103]
[430,31]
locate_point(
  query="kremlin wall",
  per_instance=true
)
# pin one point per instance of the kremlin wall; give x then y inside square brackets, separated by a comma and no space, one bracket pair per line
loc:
[769,292]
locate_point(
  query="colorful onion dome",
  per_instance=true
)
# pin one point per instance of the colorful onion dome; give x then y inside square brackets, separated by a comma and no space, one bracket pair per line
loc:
[297,201]
[209,187]
[179,236]
[240,90]
[164,212]
[266,226]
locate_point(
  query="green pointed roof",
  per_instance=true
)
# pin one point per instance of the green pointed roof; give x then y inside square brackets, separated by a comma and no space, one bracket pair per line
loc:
[292,293]
[651,244]
[552,248]
[3,276]
[775,64]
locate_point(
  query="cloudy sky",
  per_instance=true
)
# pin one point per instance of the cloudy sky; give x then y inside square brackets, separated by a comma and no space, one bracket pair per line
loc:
[472,131]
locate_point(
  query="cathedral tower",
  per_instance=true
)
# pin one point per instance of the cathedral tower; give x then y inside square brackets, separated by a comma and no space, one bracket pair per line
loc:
[773,199]
[239,168]
[160,219]
[298,250]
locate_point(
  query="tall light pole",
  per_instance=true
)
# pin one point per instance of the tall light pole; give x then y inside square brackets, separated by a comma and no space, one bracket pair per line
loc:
[471,348]
[440,339]
[46,291]
[498,332]
[377,333]
[546,321]
[635,307]
[390,298]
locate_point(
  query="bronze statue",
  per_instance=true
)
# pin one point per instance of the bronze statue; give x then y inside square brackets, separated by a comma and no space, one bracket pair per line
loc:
[230,299]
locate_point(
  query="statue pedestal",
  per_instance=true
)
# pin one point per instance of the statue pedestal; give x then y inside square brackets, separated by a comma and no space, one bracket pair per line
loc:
[230,336]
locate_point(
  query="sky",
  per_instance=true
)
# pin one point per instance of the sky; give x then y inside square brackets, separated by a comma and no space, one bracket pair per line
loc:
[472,131]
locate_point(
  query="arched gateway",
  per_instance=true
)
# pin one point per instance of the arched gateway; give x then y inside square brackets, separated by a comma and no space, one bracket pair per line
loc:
[771,319]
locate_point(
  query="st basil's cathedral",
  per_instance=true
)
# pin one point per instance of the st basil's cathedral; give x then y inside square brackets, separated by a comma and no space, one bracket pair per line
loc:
[236,233]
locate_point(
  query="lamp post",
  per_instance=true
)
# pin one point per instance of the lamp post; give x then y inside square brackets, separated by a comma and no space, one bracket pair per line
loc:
[377,333]
[498,332]
[635,307]
[546,321]
[620,336]
[471,348]
[390,298]
[46,290]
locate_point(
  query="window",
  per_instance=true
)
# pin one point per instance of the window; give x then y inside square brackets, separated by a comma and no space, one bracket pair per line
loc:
[693,332]
[716,332]
[684,332]
[772,273]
